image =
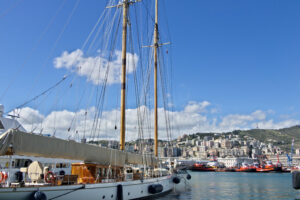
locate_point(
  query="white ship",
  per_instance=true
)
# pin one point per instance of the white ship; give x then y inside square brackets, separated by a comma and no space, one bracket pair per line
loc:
[89,180]
[96,172]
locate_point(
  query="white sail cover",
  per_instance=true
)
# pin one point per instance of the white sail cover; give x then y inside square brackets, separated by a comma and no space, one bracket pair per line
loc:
[28,144]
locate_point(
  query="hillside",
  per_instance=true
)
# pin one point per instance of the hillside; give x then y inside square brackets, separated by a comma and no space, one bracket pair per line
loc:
[279,137]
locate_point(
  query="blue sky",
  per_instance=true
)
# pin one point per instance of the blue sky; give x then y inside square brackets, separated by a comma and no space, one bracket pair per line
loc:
[240,56]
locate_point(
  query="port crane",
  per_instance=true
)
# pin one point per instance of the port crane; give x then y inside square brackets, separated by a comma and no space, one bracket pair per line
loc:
[290,157]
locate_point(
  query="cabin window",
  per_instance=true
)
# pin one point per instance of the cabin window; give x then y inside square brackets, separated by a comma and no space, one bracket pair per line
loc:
[1,125]
[61,165]
[18,161]
[27,163]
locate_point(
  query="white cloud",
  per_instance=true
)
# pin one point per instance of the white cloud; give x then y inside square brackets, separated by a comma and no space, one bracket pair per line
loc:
[192,118]
[237,121]
[30,118]
[269,124]
[214,111]
[197,107]
[98,68]
[259,115]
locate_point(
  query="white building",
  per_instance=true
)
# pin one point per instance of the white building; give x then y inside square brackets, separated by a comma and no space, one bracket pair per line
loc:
[234,161]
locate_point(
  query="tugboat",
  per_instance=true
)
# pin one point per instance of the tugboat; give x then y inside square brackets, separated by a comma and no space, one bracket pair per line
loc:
[203,167]
[269,167]
[245,168]
[262,169]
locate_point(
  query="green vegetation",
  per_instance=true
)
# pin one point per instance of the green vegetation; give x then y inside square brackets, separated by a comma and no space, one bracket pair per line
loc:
[281,137]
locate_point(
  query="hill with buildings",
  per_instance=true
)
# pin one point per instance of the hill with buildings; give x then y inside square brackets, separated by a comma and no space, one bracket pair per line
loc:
[239,143]
[279,137]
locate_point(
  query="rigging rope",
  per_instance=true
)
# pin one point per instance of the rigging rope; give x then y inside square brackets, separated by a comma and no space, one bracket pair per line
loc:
[39,95]
[10,8]
[38,41]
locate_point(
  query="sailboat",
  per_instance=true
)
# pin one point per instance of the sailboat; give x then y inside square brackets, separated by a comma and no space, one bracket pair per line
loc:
[104,173]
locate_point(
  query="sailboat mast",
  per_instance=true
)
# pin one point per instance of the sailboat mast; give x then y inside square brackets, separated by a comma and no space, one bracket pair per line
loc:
[155,80]
[123,78]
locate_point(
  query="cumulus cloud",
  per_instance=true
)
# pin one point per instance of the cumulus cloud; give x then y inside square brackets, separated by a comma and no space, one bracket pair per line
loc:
[30,118]
[197,107]
[96,69]
[270,124]
[192,118]
[237,121]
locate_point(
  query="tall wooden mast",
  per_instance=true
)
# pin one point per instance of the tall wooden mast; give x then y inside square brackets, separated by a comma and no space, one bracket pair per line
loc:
[123,79]
[155,80]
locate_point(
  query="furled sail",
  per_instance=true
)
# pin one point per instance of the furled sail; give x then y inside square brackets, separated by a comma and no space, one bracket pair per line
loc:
[28,144]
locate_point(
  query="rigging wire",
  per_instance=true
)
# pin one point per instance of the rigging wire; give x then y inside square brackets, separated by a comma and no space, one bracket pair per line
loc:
[39,95]
[75,77]
[90,74]
[85,43]
[164,91]
[14,5]
[57,40]
[59,36]
[34,47]
[98,114]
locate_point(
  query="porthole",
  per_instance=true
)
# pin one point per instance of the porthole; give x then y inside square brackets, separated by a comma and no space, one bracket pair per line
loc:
[128,193]
[103,197]
[142,191]
[112,196]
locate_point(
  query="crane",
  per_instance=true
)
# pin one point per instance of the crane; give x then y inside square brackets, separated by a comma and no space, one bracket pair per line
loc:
[290,157]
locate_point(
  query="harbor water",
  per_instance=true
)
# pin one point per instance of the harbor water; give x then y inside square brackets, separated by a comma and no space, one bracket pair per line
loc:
[234,185]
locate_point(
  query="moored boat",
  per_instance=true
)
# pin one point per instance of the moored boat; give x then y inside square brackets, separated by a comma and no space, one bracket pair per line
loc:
[245,168]
[270,167]
[260,169]
[203,167]
[225,169]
